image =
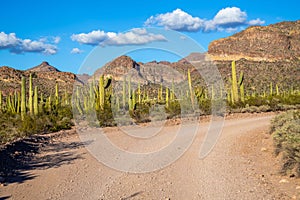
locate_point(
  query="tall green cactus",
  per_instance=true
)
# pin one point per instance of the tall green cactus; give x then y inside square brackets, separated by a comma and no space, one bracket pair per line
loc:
[124,93]
[35,101]
[101,92]
[23,98]
[77,98]
[30,97]
[235,95]
[18,102]
[129,94]
[139,92]
[159,94]
[271,88]
[56,95]
[167,97]
[172,93]
[133,100]
[242,89]
[191,88]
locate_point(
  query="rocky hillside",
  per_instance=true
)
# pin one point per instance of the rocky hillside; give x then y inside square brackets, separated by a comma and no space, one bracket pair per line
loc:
[143,73]
[275,42]
[266,54]
[44,76]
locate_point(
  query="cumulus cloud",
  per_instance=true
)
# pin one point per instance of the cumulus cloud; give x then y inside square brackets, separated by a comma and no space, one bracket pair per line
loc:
[136,36]
[76,51]
[227,19]
[56,39]
[177,20]
[256,22]
[16,45]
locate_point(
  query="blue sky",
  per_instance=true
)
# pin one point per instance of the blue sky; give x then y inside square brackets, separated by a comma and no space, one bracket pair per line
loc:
[64,33]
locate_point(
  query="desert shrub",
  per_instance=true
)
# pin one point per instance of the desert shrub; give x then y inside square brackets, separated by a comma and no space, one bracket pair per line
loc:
[12,126]
[105,116]
[285,129]
[9,127]
[173,109]
[141,112]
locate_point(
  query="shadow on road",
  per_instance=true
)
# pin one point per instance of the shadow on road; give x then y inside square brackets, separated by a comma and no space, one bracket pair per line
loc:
[36,152]
[6,197]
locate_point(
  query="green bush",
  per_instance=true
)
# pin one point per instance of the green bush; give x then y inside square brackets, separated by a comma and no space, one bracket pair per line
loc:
[285,129]
[12,126]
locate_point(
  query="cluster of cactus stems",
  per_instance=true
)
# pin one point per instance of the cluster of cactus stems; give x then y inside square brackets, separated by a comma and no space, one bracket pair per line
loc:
[98,95]
[236,92]
[29,102]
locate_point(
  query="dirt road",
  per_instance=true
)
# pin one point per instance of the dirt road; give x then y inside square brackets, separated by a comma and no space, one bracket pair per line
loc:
[241,166]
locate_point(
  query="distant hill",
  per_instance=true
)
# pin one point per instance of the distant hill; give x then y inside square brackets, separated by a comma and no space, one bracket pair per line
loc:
[44,76]
[271,43]
[264,53]
[43,67]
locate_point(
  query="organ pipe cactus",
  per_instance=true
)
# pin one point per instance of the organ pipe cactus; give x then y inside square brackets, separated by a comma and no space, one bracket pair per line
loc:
[167,97]
[235,95]
[23,98]
[191,88]
[139,92]
[35,101]
[124,93]
[30,97]
[101,91]
[271,88]
[241,84]
[277,90]
[56,95]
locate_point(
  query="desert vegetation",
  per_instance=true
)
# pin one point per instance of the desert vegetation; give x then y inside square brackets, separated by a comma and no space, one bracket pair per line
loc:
[28,111]
[285,130]
[24,113]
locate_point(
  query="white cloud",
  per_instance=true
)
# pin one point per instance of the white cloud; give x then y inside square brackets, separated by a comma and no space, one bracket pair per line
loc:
[92,38]
[56,40]
[256,22]
[16,45]
[177,20]
[136,36]
[76,51]
[230,17]
[227,19]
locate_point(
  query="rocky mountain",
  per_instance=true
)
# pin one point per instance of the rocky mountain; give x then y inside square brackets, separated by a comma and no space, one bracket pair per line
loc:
[44,76]
[271,43]
[143,73]
[43,67]
[266,54]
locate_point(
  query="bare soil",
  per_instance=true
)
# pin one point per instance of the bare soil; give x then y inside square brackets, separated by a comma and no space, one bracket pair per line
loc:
[241,166]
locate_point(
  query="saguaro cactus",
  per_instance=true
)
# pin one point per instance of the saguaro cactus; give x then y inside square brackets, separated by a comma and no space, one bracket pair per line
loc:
[167,97]
[23,98]
[129,94]
[35,101]
[30,100]
[139,92]
[56,95]
[277,90]
[124,93]
[271,88]
[241,84]
[191,88]
[235,95]
[101,92]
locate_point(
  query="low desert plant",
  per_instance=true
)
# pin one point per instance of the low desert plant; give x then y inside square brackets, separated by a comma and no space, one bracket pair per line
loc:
[285,129]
